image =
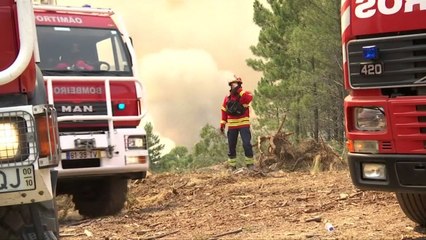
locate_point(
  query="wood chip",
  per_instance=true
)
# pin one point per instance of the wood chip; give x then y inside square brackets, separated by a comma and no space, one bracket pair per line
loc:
[248,205]
[88,233]
[343,196]
[160,235]
[355,194]
[314,219]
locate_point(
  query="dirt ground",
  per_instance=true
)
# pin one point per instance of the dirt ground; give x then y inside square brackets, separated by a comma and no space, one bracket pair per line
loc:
[216,204]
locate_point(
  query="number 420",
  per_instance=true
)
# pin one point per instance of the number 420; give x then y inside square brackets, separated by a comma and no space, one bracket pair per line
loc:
[372,69]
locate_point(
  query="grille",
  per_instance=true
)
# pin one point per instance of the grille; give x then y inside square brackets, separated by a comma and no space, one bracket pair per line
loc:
[409,124]
[403,58]
[17,139]
[387,146]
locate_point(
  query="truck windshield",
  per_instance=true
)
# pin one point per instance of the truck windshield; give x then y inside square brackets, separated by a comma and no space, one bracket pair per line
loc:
[68,51]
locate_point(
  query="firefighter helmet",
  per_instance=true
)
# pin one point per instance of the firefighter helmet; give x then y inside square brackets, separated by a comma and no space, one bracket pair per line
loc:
[234,79]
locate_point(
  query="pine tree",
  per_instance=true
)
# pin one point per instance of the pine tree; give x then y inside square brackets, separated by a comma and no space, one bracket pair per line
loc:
[154,146]
[178,159]
[298,53]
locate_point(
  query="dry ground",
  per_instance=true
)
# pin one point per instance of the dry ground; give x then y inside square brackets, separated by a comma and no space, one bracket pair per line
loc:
[247,205]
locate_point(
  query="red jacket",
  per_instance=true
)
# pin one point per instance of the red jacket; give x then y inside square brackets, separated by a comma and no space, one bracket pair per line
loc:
[79,64]
[237,121]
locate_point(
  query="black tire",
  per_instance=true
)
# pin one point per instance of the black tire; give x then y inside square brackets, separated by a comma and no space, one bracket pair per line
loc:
[414,206]
[102,197]
[17,222]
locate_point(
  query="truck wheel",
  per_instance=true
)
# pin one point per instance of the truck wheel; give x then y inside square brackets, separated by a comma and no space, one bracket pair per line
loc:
[101,198]
[17,222]
[414,206]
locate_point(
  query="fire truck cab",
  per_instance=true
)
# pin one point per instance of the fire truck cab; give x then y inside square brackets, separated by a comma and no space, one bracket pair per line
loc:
[384,55]
[88,64]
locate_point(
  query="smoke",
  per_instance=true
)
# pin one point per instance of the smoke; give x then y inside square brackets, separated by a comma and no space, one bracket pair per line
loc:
[184,48]
[187,90]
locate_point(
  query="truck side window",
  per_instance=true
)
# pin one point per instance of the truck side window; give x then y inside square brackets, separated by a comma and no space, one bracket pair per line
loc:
[105,53]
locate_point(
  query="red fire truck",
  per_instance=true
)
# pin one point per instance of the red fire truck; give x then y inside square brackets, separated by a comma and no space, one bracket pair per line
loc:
[29,147]
[88,64]
[384,55]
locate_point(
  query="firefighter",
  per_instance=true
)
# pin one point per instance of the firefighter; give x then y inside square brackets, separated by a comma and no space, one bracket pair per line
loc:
[235,114]
[74,60]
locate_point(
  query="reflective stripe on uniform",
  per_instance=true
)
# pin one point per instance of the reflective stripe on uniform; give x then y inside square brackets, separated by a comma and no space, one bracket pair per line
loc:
[232,161]
[236,120]
[238,124]
[249,160]
[242,93]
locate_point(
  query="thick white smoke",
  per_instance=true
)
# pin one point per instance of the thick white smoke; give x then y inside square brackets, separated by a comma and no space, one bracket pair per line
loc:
[188,91]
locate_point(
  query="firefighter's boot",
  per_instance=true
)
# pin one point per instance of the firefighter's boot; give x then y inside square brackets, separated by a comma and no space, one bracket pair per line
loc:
[232,164]
[249,161]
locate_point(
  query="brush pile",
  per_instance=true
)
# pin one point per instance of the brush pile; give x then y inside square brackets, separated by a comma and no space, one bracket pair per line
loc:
[277,152]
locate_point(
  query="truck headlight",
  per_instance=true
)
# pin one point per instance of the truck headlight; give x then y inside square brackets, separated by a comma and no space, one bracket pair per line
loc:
[9,141]
[374,171]
[136,142]
[13,138]
[370,118]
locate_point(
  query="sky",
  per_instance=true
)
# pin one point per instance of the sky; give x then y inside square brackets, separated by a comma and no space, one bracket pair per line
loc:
[186,49]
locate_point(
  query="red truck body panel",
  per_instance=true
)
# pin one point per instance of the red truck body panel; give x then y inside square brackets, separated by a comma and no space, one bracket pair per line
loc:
[88,98]
[70,19]
[377,17]
[370,19]
[9,47]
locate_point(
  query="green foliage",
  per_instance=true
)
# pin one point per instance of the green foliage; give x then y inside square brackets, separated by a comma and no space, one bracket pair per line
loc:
[211,149]
[178,159]
[299,54]
[154,146]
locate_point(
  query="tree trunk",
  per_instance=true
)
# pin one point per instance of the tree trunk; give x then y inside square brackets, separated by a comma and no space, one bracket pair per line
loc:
[316,110]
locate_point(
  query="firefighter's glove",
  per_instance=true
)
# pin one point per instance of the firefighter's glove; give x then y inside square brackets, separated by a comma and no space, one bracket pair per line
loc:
[222,129]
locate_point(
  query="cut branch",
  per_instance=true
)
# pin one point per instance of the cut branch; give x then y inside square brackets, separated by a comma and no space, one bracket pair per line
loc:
[227,233]
[160,235]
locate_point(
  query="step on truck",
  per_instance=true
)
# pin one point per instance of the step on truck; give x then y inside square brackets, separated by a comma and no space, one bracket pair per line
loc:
[384,56]
[88,63]
[29,141]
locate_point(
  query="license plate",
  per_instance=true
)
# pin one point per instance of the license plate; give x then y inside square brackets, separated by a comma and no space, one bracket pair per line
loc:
[371,69]
[17,179]
[82,154]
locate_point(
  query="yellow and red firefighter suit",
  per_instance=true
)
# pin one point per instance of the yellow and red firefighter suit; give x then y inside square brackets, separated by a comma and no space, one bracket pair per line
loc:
[238,125]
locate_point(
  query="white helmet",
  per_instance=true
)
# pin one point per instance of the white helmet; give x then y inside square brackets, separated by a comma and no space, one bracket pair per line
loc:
[234,79]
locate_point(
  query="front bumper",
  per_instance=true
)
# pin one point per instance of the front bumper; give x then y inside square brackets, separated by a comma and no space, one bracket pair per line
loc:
[126,171]
[404,173]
